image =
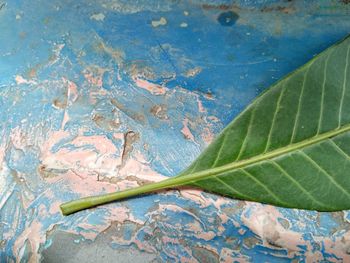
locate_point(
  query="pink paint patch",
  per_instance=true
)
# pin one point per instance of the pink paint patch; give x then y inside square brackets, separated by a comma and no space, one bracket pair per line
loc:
[213,119]
[115,214]
[193,72]
[177,209]
[185,259]
[224,218]
[221,201]
[18,138]
[84,184]
[20,80]
[170,240]
[54,138]
[339,247]
[35,235]
[92,79]
[206,235]
[95,94]
[100,143]
[195,226]
[143,246]
[72,93]
[241,231]
[201,109]
[226,256]
[65,119]
[94,156]
[90,155]
[55,207]
[263,221]
[72,96]
[118,136]
[197,197]
[56,53]
[149,86]
[136,166]
[207,135]
[2,158]
[186,130]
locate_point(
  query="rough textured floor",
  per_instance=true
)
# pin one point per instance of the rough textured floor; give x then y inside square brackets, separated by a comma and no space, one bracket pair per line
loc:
[102,95]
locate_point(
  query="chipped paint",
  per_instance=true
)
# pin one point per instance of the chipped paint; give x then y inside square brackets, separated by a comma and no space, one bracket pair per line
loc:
[193,71]
[20,80]
[186,130]
[183,24]
[98,17]
[150,87]
[161,22]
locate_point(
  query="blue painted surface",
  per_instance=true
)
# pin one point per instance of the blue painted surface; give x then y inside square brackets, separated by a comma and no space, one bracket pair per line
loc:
[78,75]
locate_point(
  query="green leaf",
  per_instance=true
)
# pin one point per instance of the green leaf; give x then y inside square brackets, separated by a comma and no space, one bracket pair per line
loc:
[290,147]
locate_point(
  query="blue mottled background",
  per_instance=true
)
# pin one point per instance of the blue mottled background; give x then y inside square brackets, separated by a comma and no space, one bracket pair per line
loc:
[103,95]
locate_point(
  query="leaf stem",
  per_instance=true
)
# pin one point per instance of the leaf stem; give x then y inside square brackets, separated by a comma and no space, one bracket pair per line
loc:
[185,179]
[179,180]
[92,201]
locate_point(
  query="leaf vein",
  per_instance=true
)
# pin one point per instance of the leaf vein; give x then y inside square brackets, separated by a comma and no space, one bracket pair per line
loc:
[344,86]
[296,122]
[339,149]
[268,142]
[241,150]
[234,190]
[298,185]
[330,177]
[261,184]
[220,150]
[320,120]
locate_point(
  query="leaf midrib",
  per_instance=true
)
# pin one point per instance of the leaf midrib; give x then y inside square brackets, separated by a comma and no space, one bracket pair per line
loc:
[181,179]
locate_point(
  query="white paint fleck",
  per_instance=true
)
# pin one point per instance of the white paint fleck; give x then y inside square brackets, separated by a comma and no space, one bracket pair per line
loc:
[98,17]
[18,17]
[193,72]
[20,80]
[186,13]
[161,22]
[132,7]
[183,24]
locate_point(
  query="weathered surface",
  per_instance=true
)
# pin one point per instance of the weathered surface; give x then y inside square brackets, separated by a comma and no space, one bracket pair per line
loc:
[99,96]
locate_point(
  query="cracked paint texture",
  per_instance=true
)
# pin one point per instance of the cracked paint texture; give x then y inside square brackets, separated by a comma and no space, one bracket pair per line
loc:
[101,96]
